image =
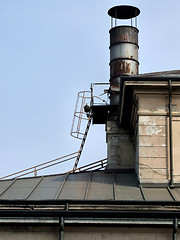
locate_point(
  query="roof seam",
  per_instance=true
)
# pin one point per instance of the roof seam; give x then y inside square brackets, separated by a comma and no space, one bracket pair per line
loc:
[8,187]
[87,186]
[169,190]
[34,188]
[141,189]
[61,187]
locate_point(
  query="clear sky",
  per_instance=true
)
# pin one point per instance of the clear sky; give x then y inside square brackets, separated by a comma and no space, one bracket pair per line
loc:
[52,49]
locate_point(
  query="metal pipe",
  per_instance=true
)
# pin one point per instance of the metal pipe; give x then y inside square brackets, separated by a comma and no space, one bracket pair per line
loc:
[175,228]
[115,17]
[92,100]
[61,233]
[111,22]
[170,134]
[42,164]
[114,186]
[161,223]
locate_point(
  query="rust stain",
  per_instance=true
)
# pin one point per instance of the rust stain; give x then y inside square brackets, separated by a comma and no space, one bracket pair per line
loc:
[123,34]
[120,68]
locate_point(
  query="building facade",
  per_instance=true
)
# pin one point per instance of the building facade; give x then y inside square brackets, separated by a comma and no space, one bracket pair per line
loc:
[138,194]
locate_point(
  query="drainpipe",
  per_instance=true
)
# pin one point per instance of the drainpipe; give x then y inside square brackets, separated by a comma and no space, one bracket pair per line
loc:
[170,135]
[61,233]
[175,228]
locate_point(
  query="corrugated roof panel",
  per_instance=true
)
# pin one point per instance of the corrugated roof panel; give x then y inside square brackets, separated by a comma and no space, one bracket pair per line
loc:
[157,194]
[20,188]
[101,186]
[47,188]
[126,187]
[75,186]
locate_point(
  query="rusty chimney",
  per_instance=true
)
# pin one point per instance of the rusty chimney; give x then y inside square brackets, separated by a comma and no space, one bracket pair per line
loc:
[123,62]
[123,47]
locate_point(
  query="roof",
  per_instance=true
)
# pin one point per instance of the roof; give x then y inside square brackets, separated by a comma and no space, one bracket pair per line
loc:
[89,185]
[173,73]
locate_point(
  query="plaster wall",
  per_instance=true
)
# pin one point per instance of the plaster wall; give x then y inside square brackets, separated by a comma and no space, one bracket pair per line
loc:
[153,162]
[176,148]
[20,232]
[88,233]
[116,233]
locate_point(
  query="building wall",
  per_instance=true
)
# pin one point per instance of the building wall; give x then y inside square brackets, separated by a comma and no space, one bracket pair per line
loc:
[120,151]
[152,138]
[116,233]
[20,232]
[88,233]
[176,147]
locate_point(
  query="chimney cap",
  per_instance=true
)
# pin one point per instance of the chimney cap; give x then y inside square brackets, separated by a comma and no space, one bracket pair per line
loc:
[123,12]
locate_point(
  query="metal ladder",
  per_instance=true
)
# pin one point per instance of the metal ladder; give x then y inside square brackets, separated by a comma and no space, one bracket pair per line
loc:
[82,143]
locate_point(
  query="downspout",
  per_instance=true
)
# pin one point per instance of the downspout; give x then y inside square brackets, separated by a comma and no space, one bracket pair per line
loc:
[170,134]
[175,228]
[61,233]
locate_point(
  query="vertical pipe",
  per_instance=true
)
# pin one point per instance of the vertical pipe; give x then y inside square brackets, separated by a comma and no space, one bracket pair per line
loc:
[111,22]
[92,98]
[170,134]
[114,186]
[67,206]
[61,233]
[115,17]
[175,228]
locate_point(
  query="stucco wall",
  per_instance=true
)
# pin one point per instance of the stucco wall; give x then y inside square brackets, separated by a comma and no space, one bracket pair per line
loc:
[152,128]
[152,140]
[116,233]
[21,232]
[81,233]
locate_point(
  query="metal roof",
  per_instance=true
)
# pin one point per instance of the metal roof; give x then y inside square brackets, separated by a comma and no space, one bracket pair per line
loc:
[89,185]
[172,73]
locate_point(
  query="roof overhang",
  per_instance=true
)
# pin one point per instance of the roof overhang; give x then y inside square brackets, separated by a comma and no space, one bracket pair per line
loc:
[129,83]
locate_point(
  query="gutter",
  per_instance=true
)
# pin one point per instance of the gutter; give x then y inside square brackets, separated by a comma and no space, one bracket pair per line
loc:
[91,213]
[67,203]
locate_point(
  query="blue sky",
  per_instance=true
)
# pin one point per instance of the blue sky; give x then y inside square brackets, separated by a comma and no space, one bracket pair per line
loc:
[51,50]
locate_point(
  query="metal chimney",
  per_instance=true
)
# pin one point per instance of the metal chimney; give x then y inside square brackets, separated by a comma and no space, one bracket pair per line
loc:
[123,47]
